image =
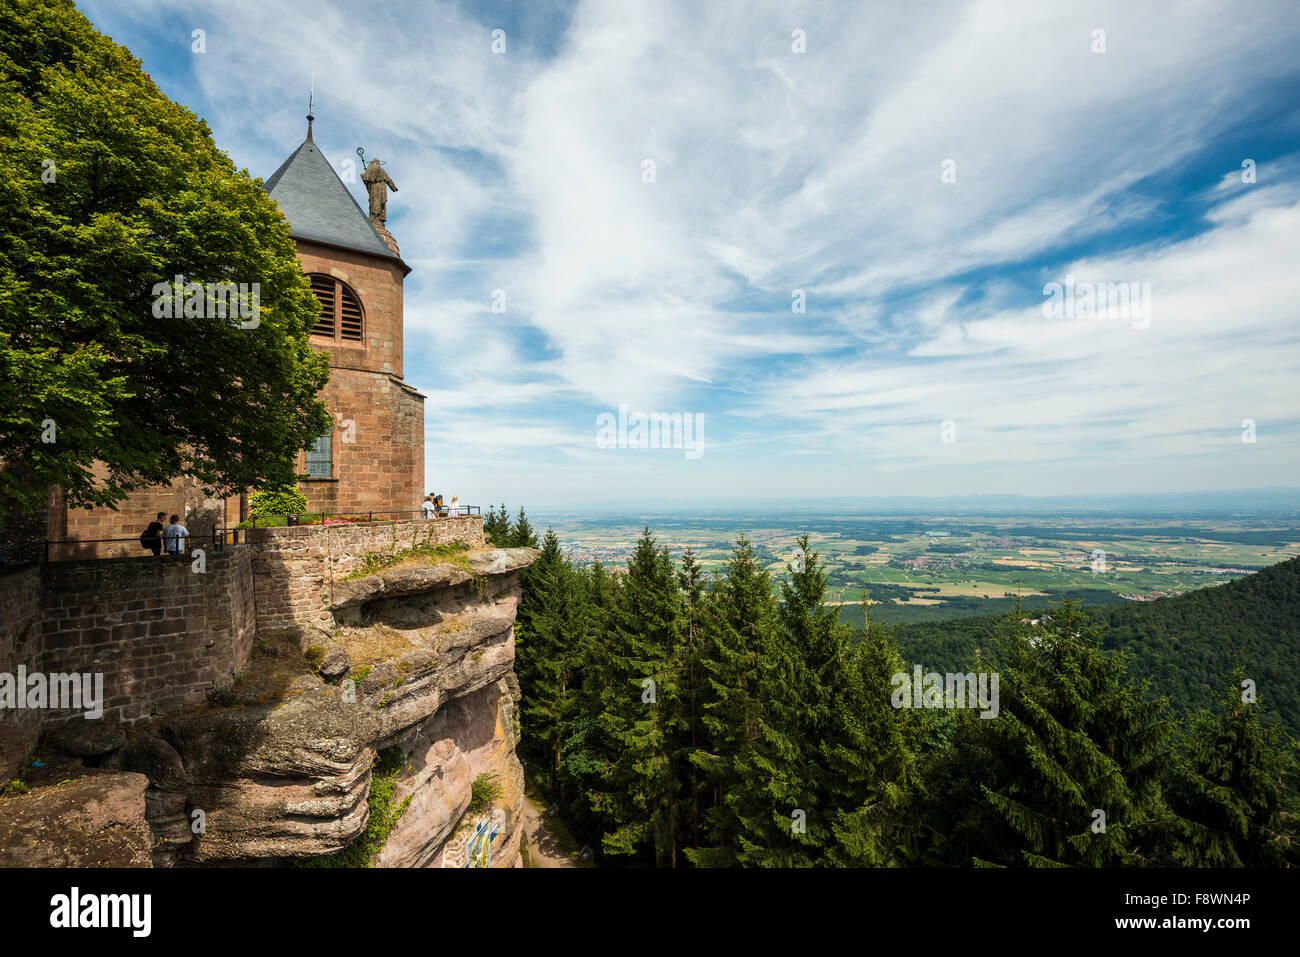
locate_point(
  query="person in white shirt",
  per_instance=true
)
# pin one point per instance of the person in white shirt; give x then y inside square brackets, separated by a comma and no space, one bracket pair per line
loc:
[174,535]
[454,510]
[427,508]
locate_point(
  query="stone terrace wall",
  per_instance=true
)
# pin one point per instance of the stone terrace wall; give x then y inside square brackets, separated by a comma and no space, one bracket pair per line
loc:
[161,634]
[20,628]
[294,567]
[22,542]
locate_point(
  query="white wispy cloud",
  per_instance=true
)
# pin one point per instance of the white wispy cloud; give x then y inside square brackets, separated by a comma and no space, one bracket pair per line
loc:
[820,171]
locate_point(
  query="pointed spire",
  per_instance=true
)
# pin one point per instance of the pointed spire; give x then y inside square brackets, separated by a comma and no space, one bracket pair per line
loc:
[311,100]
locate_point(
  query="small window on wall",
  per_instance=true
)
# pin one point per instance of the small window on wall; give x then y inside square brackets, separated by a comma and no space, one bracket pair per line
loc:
[320,457]
[341,318]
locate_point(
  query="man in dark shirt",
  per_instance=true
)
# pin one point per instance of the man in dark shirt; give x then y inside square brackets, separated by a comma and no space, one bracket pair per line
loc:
[152,537]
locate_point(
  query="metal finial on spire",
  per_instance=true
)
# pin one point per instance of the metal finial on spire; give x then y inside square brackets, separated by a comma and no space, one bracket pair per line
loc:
[311,101]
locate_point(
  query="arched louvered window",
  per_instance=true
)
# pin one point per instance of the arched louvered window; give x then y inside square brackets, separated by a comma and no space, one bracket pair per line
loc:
[341,318]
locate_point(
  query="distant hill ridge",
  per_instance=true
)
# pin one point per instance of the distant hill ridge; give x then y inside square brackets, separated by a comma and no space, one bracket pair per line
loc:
[1185,644]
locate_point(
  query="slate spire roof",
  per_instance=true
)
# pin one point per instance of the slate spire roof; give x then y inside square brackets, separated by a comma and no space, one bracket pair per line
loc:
[318,205]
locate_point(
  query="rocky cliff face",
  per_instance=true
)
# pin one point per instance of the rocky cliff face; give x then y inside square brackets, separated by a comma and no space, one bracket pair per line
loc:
[386,738]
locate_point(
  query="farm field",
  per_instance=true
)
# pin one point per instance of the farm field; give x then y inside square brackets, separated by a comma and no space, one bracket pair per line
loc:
[927,567]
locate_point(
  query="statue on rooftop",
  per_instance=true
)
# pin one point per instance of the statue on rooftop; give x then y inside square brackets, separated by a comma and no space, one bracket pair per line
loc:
[378,183]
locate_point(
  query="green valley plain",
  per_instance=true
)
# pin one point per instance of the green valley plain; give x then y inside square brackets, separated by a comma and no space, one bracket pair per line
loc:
[931,567]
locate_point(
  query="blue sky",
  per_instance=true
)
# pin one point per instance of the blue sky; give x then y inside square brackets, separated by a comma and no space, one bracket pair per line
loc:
[921,172]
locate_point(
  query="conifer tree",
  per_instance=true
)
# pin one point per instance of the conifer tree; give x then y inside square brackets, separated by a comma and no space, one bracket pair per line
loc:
[742,665]
[522,534]
[870,754]
[690,675]
[583,754]
[536,580]
[1071,738]
[496,527]
[1231,784]
[827,764]
[638,713]
[552,610]
[553,701]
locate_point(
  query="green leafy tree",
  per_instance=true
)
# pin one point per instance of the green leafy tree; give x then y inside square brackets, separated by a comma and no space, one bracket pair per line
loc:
[109,190]
[284,500]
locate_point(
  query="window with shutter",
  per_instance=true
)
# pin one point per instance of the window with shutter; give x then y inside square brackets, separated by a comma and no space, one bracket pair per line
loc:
[349,316]
[341,317]
[323,287]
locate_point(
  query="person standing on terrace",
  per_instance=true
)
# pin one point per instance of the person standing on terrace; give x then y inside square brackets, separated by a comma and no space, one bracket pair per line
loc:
[151,538]
[174,535]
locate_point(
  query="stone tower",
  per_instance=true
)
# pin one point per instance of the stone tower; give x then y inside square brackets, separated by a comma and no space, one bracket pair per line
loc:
[373,458]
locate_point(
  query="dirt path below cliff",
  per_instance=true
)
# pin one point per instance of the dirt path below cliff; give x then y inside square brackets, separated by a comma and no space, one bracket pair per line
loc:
[543,848]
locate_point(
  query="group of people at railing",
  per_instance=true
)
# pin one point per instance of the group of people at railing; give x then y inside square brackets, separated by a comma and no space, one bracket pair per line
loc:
[432,507]
[171,537]
[167,537]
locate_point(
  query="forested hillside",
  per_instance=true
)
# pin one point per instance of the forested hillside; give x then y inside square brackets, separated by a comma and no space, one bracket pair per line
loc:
[679,720]
[1184,645]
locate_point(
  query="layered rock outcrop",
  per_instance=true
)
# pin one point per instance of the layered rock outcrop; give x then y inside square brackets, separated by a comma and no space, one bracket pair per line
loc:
[385,735]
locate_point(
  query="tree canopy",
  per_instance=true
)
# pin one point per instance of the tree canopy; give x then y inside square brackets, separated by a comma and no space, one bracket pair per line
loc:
[107,190]
[730,720]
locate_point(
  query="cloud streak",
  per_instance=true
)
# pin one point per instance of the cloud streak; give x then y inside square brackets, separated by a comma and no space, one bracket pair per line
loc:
[776,171]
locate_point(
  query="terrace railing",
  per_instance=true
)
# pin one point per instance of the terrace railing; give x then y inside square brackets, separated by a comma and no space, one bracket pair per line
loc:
[344,518]
[82,549]
[73,549]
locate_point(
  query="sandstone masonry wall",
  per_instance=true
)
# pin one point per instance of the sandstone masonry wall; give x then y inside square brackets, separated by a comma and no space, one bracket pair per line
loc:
[24,532]
[295,567]
[377,447]
[283,762]
[381,466]
[20,627]
[161,634]
[84,528]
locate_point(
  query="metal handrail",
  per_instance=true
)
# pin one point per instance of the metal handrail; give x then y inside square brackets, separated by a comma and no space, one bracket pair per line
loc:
[464,511]
[217,537]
